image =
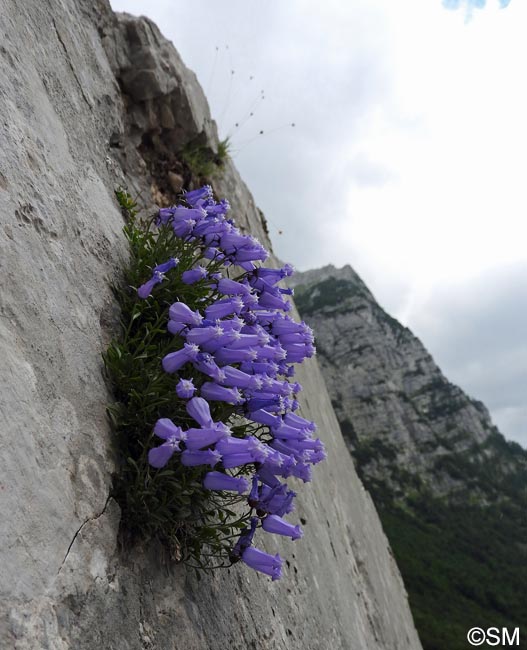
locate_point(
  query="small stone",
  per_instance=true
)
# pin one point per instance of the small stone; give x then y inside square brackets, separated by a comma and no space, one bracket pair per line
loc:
[166,117]
[176,182]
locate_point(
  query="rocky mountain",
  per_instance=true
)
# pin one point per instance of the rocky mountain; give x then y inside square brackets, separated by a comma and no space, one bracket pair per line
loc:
[91,101]
[450,490]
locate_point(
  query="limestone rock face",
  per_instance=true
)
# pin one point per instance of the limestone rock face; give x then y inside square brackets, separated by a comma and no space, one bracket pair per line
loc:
[90,101]
[401,417]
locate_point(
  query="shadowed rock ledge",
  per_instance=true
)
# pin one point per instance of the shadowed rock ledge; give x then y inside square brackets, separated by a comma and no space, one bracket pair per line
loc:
[90,100]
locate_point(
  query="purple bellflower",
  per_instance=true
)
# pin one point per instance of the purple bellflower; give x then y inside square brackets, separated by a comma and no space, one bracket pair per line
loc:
[220,481]
[245,344]
[277,525]
[263,562]
[173,436]
[173,361]
[185,388]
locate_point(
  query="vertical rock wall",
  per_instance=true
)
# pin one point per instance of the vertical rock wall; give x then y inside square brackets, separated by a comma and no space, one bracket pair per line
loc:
[89,101]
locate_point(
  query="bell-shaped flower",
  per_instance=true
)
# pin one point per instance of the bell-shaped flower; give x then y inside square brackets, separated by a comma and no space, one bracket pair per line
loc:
[180,214]
[263,285]
[286,325]
[191,458]
[264,417]
[267,475]
[262,495]
[270,403]
[174,327]
[249,317]
[163,216]
[315,457]
[213,253]
[238,379]
[146,289]
[271,301]
[164,428]
[238,445]
[182,313]
[250,302]
[229,287]
[185,388]
[291,404]
[293,337]
[232,324]
[220,481]
[159,456]
[224,340]
[243,341]
[266,316]
[173,435]
[275,275]
[278,526]
[194,275]
[233,240]
[254,495]
[202,335]
[166,266]
[288,448]
[224,307]
[214,392]
[280,463]
[201,438]
[271,565]
[206,364]
[236,452]
[308,444]
[224,356]
[237,460]
[283,388]
[195,197]
[286,432]
[269,368]
[244,540]
[199,410]
[271,352]
[173,361]
[222,207]
[302,471]
[183,228]
[281,503]
[296,353]
[294,420]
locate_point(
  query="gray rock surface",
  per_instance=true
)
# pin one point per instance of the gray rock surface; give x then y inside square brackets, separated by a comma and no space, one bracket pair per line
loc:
[82,95]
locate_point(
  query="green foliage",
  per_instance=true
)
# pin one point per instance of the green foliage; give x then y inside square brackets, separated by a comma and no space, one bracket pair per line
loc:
[374,449]
[171,505]
[199,160]
[224,149]
[463,558]
[202,162]
[463,566]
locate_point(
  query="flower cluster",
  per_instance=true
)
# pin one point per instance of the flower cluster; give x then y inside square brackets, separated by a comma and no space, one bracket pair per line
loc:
[239,350]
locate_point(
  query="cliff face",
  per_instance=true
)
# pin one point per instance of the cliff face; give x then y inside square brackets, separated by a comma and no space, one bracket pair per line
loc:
[450,490]
[91,101]
[401,416]
[385,386]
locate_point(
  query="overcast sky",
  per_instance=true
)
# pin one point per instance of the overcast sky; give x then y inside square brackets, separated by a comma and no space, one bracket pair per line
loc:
[407,159]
